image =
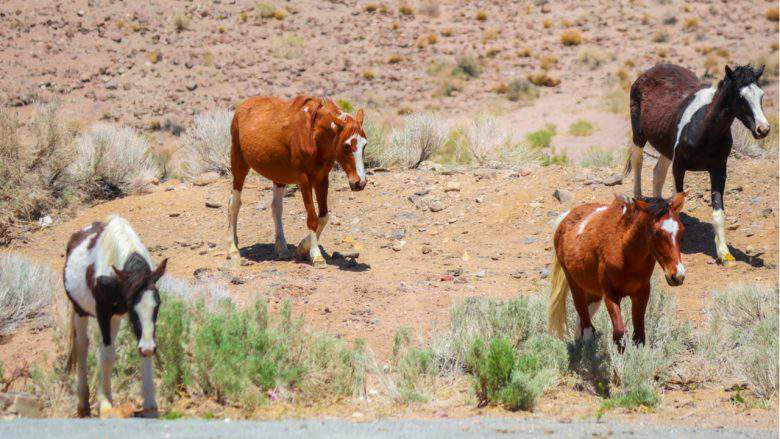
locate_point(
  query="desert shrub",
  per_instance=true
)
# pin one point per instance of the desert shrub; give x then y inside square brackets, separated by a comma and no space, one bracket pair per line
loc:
[182,22]
[206,147]
[772,14]
[376,144]
[468,66]
[25,290]
[414,368]
[742,333]
[521,90]
[36,178]
[591,57]
[691,24]
[487,140]
[541,138]
[571,37]
[345,105]
[617,101]
[543,79]
[113,161]
[406,10]
[660,36]
[581,127]
[550,158]
[288,45]
[265,10]
[596,157]
[420,137]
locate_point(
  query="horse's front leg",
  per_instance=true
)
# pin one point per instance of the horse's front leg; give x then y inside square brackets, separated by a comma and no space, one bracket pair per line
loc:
[638,307]
[147,387]
[309,244]
[717,185]
[81,347]
[109,327]
[618,327]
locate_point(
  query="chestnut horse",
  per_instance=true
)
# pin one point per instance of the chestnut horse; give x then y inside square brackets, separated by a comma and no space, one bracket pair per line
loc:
[294,142]
[690,125]
[610,252]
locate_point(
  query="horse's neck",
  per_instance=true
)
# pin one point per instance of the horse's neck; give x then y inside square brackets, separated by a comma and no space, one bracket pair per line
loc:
[718,117]
[635,242]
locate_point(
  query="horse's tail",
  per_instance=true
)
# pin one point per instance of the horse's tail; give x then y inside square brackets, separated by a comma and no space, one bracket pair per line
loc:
[627,164]
[71,341]
[559,289]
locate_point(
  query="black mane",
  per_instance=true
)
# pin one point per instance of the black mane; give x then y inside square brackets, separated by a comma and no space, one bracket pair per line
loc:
[657,207]
[741,76]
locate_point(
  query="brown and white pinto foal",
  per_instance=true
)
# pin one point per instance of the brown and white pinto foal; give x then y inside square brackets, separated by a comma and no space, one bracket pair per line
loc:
[96,287]
[609,252]
[294,142]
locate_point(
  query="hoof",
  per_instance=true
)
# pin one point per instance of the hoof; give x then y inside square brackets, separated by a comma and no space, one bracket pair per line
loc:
[151,413]
[303,249]
[106,410]
[727,260]
[319,262]
[82,412]
[282,252]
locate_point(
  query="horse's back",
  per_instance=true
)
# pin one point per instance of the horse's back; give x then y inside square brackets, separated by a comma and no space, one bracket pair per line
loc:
[262,130]
[658,95]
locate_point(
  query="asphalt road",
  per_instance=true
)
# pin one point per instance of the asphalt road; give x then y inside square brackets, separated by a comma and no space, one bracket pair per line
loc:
[439,429]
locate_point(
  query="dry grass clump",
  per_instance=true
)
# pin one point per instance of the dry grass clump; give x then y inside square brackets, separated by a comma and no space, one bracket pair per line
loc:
[406,10]
[288,45]
[421,135]
[660,36]
[481,15]
[690,24]
[542,79]
[265,10]
[206,147]
[371,8]
[25,290]
[113,160]
[581,127]
[591,57]
[617,101]
[772,14]
[596,157]
[571,37]
[368,74]
[395,58]
[547,62]
[521,90]
[182,22]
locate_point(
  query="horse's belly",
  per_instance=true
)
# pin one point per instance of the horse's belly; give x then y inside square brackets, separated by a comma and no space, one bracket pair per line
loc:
[75,278]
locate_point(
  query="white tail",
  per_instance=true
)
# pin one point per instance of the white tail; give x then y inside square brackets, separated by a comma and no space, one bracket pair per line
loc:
[559,289]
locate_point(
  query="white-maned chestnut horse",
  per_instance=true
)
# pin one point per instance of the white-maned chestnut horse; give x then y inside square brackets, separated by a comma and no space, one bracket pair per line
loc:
[109,274]
[294,142]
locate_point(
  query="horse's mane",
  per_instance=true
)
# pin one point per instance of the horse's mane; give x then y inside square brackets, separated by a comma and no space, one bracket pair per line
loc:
[657,207]
[741,76]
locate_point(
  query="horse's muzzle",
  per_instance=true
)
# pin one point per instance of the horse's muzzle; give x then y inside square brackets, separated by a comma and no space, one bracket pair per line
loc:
[676,280]
[761,131]
[146,351]
[359,186]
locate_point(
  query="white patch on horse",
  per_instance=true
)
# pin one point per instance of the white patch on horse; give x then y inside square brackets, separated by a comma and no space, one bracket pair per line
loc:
[680,269]
[671,227]
[358,154]
[702,98]
[752,94]
[559,220]
[333,125]
[305,109]
[75,280]
[145,310]
[342,115]
[587,219]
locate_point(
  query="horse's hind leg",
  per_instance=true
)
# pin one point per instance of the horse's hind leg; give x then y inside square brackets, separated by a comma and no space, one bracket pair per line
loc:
[618,327]
[636,165]
[81,346]
[234,205]
[635,158]
[280,245]
[659,175]
[584,328]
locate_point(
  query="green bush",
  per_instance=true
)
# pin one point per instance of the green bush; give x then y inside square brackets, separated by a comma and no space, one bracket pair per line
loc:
[541,138]
[414,368]
[345,105]
[597,157]
[521,90]
[468,66]
[581,128]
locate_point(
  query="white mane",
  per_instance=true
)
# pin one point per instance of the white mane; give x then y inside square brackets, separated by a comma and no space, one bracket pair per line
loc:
[116,244]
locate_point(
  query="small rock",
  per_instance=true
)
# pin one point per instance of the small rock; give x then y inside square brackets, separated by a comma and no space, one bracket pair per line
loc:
[436,206]
[767,212]
[481,273]
[480,199]
[447,278]
[426,249]
[174,214]
[191,86]
[398,234]
[45,221]
[613,180]
[544,273]
[563,195]
[525,172]
[452,186]
[398,245]
[206,179]
[529,240]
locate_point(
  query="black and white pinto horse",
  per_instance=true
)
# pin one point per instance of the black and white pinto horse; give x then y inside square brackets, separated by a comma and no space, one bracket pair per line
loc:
[97,287]
[690,125]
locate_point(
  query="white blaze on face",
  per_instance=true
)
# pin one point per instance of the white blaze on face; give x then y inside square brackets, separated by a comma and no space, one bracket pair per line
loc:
[671,227]
[358,154]
[145,311]
[752,94]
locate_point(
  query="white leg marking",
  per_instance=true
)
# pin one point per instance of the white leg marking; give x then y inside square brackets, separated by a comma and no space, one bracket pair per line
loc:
[752,94]
[586,220]
[636,165]
[719,223]
[587,334]
[659,175]
[280,245]
[321,223]
[233,207]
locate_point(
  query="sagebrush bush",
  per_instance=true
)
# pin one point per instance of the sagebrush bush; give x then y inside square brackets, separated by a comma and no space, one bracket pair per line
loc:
[521,90]
[591,57]
[36,178]
[468,66]
[581,127]
[206,146]
[26,288]
[571,37]
[113,161]
[374,153]
[541,138]
[595,157]
[414,368]
[421,135]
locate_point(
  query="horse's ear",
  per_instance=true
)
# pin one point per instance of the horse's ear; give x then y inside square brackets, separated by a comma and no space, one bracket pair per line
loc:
[119,274]
[359,116]
[676,203]
[729,72]
[760,72]
[159,271]
[641,204]
[625,201]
